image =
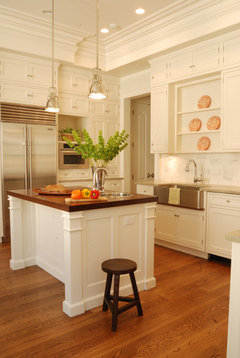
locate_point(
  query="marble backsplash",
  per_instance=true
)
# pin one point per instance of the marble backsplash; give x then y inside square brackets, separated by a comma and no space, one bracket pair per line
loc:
[216,168]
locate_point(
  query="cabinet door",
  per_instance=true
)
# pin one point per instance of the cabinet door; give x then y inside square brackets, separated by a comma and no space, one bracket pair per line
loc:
[111,87]
[159,73]
[13,69]
[206,58]
[165,224]
[220,221]
[231,51]
[37,96]
[190,228]
[231,123]
[14,93]
[72,104]
[159,120]
[180,65]
[74,82]
[40,74]
[107,127]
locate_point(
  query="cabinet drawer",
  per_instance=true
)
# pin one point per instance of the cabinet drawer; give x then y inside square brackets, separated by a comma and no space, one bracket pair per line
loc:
[115,185]
[226,200]
[145,189]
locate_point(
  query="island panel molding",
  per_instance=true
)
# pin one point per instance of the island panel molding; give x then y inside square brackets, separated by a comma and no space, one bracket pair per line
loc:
[71,245]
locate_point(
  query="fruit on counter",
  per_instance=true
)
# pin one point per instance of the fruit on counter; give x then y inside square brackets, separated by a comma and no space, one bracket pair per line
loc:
[86,193]
[76,194]
[94,194]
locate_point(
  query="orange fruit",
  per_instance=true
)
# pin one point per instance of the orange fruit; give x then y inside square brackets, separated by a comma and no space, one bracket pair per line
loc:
[76,194]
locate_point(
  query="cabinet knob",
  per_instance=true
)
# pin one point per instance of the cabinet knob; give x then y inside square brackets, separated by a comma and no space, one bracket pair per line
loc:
[228,201]
[29,75]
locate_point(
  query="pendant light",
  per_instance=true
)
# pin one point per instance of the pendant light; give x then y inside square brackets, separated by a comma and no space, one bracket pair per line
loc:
[53,100]
[96,90]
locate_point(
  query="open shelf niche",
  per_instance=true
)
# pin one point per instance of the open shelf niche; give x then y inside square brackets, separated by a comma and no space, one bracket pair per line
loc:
[187,96]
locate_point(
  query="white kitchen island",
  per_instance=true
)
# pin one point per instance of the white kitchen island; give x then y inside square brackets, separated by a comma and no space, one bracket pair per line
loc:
[70,241]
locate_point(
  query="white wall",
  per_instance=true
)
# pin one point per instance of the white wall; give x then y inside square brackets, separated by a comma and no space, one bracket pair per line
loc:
[219,168]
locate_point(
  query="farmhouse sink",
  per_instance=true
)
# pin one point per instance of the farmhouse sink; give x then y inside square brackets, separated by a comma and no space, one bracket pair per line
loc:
[191,196]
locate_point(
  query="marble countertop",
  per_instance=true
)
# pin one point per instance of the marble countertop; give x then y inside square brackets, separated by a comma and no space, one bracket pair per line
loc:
[224,189]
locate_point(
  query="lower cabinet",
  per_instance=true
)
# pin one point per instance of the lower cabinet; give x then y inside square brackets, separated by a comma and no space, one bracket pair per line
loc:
[223,216]
[145,189]
[180,226]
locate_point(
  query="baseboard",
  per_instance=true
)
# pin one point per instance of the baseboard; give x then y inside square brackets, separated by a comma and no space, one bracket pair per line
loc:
[186,250]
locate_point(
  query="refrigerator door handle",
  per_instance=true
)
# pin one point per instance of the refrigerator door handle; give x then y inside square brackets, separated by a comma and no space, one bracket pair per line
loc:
[30,157]
[25,158]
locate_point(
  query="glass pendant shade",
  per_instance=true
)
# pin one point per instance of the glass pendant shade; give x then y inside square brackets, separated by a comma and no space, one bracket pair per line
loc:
[96,90]
[52,101]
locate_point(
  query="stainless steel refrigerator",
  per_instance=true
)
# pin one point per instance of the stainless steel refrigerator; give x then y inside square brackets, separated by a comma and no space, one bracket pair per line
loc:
[28,160]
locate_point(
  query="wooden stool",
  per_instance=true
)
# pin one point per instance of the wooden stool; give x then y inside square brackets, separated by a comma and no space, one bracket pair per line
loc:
[119,267]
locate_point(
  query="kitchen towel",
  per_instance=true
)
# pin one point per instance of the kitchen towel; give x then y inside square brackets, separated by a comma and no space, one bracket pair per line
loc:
[174,196]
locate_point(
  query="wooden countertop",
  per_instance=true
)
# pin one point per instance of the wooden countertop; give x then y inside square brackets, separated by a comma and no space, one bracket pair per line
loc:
[58,201]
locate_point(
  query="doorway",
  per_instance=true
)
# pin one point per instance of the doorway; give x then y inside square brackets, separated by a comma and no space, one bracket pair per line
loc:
[142,161]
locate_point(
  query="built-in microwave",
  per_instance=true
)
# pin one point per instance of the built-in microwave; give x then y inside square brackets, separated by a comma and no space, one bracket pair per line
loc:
[69,159]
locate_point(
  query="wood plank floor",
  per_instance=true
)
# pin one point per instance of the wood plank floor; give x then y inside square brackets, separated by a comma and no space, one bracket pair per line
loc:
[185,316]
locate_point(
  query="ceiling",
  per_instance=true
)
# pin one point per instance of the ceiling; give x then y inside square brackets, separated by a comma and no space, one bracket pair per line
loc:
[81,14]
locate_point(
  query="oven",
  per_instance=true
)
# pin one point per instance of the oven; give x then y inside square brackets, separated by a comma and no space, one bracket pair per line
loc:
[69,159]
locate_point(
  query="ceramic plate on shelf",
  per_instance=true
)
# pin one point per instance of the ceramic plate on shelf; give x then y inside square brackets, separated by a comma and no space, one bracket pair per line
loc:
[203,143]
[204,102]
[47,192]
[194,125]
[213,123]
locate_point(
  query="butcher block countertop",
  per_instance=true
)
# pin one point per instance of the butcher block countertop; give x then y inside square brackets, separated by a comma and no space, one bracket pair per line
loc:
[58,201]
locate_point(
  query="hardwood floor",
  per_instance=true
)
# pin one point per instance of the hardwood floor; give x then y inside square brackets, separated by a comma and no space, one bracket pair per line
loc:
[185,316]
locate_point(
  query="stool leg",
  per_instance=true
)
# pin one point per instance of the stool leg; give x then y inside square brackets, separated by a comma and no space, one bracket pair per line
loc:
[107,291]
[136,295]
[115,303]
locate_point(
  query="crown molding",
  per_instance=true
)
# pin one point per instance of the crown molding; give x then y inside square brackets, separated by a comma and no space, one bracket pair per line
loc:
[175,25]
[162,31]
[21,32]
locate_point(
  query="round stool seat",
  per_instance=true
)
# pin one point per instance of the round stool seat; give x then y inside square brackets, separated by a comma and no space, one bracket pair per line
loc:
[119,266]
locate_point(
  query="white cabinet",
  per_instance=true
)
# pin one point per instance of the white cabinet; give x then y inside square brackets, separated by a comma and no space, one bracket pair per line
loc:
[200,59]
[21,94]
[104,107]
[74,81]
[108,127]
[159,72]
[159,120]
[231,123]
[26,70]
[223,216]
[73,104]
[231,51]
[184,227]
[145,189]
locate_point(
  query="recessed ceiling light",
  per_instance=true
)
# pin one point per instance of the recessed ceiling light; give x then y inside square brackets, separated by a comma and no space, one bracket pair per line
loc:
[104,30]
[140,11]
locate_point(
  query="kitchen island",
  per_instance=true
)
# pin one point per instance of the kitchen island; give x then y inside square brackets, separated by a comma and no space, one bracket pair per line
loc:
[70,241]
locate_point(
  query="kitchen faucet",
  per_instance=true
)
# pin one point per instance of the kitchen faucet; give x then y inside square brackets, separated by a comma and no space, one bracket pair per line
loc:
[195,179]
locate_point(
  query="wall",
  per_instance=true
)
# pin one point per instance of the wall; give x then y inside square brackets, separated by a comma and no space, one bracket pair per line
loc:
[217,168]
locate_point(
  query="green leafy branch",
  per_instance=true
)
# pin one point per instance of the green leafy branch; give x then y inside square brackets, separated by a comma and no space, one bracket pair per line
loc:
[101,153]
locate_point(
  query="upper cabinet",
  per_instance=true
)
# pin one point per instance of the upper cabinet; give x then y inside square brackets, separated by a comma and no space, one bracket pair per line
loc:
[26,70]
[25,79]
[231,124]
[212,69]
[159,120]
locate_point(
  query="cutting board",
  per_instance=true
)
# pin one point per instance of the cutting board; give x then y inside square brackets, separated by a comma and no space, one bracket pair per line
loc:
[99,200]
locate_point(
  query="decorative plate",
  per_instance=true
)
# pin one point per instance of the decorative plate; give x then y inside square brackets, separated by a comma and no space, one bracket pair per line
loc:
[194,125]
[45,192]
[203,143]
[204,102]
[213,123]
